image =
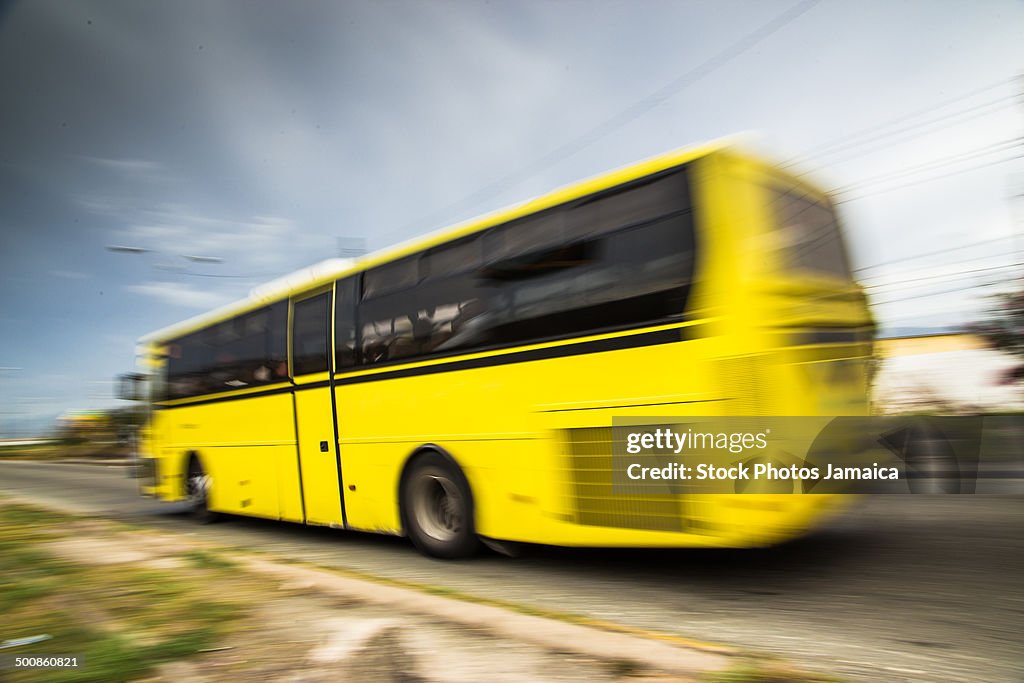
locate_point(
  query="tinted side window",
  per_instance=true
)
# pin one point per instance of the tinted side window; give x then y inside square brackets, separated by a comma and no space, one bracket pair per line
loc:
[460,256]
[223,341]
[627,258]
[188,361]
[442,314]
[345,352]
[310,334]
[622,258]
[620,279]
[277,341]
[526,234]
[246,351]
[391,277]
[419,321]
[810,232]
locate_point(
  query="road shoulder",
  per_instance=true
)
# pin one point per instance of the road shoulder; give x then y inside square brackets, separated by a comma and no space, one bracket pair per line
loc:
[349,623]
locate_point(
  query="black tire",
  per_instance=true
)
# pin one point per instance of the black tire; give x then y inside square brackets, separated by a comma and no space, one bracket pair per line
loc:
[437,507]
[197,490]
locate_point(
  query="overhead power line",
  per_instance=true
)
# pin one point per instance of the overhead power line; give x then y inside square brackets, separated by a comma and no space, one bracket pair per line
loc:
[849,139]
[858,148]
[627,115]
[944,276]
[968,263]
[938,252]
[928,295]
[930,165]
[929,179]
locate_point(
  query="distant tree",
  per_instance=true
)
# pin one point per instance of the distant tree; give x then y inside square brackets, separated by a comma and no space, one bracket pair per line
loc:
[1004,328]
[129,417]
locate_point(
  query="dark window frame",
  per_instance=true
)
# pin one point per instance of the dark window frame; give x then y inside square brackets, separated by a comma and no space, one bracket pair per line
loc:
[684,208]
[327,320]
[353,285]
[421,280]
[782,197]
[206,375]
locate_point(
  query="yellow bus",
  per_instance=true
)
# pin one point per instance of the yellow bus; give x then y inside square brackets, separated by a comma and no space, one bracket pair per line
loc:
[460,387]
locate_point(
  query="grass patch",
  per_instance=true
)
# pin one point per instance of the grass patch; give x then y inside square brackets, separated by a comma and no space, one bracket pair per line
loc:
[123,619]
[26,574]
[13,515]
[205,559]
[49,450]
[765,673]
[61,449]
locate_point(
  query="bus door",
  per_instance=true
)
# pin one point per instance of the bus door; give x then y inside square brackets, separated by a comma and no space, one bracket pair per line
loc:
[316,429]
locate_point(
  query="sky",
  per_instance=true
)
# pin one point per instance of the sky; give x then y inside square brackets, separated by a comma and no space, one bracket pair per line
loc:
[266,134]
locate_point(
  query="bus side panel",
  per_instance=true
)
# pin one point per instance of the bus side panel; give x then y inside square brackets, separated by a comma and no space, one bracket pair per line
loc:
[157,443]
[244,479]
[246,445]
[526,484]
[372,472]
[502,424]
[507,498]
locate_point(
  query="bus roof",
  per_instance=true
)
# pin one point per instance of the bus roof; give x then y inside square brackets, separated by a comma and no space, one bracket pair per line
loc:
[321,273]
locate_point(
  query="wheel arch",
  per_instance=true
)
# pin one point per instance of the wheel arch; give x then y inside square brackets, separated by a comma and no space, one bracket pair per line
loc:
[188,457]
[410,461]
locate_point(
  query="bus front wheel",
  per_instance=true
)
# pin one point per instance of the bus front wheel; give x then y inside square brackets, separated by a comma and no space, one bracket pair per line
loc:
[197,491]
[438,508]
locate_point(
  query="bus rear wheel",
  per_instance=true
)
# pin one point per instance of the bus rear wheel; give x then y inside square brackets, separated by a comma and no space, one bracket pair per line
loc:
[438,508]
[197,491]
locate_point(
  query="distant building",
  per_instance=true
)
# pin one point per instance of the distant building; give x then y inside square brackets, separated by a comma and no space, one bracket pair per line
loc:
[945,372]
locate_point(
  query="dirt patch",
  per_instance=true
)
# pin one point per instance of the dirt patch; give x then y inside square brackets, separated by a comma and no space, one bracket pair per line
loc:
[186,610]
[120,582]
[85,550]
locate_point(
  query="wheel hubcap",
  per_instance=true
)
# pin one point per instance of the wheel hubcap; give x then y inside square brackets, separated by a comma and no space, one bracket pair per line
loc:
[196,487]
[438,507]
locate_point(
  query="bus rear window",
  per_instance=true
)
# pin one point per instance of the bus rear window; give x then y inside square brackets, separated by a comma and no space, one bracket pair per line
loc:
[809,233]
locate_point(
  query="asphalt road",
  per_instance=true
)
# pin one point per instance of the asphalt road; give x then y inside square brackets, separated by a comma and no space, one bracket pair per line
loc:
[905,588]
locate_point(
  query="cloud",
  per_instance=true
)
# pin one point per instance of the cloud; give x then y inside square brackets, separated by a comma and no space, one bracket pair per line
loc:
[181,294]
[253,248]
[423,121]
